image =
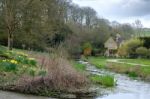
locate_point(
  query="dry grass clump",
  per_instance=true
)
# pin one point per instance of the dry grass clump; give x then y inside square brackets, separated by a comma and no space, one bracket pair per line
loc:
[64,75]
[61,76]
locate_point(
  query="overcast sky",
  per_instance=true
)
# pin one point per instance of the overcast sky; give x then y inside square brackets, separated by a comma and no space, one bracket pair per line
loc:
[123,11]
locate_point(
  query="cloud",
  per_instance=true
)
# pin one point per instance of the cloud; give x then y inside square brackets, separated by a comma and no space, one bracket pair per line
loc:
[134,8]
[120,10]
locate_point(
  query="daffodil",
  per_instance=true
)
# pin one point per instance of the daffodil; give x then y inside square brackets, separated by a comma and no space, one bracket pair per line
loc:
[14,61]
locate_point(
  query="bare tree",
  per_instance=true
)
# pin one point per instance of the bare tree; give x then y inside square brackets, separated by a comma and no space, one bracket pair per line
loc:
[10,20]
[138,26]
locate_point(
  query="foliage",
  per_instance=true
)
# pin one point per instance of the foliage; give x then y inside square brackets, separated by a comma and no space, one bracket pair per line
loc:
[142,51]
[105,80]
[8,65]
[40,24]
[87,49]
[146,40]
[17,62]
[122,51]
[96,51]
[129,47]
[132,74]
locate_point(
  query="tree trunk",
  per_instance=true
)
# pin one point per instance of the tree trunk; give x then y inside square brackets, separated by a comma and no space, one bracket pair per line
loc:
[10,41]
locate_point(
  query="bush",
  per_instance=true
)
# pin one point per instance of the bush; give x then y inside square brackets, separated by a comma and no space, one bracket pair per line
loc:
[87,49]
[122,51]
[129,47]
[142,51]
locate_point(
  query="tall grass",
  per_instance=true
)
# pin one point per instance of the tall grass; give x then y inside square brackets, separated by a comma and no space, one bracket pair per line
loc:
[61,75]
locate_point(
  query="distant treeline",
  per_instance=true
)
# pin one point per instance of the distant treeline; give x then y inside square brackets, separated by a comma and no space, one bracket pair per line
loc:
[41,24]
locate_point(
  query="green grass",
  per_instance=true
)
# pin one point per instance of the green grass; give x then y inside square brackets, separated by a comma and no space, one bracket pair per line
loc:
[132,74]
[105,80]
[137,61]
[129,69]
[78,66]
[99,62]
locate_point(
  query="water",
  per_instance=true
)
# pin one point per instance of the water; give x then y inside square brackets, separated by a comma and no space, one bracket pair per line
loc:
[126,88]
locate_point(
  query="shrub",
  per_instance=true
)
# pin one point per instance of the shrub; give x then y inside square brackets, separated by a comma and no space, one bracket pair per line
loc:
[87,49]
[129,47]
[122,51]
[142,51]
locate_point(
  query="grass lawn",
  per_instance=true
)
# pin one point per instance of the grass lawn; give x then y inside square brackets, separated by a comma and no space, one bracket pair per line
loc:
[78,66]
[130,70]
[137,61]
[99,62]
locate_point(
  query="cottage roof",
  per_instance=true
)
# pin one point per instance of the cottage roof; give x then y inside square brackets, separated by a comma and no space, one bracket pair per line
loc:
[111,44]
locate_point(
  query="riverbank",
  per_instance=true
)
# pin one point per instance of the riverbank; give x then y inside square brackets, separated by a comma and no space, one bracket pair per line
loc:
[126,88]
[41,74]
[132,67]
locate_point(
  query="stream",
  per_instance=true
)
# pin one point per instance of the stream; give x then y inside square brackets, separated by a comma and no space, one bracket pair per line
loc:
[126,88]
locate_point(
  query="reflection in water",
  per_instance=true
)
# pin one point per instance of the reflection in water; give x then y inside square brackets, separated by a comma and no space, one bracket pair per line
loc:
[126,88]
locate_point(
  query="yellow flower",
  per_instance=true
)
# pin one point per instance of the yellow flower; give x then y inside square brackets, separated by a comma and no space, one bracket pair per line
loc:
[14,61]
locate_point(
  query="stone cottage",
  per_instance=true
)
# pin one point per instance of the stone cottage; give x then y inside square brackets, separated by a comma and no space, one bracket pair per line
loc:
[112,45]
